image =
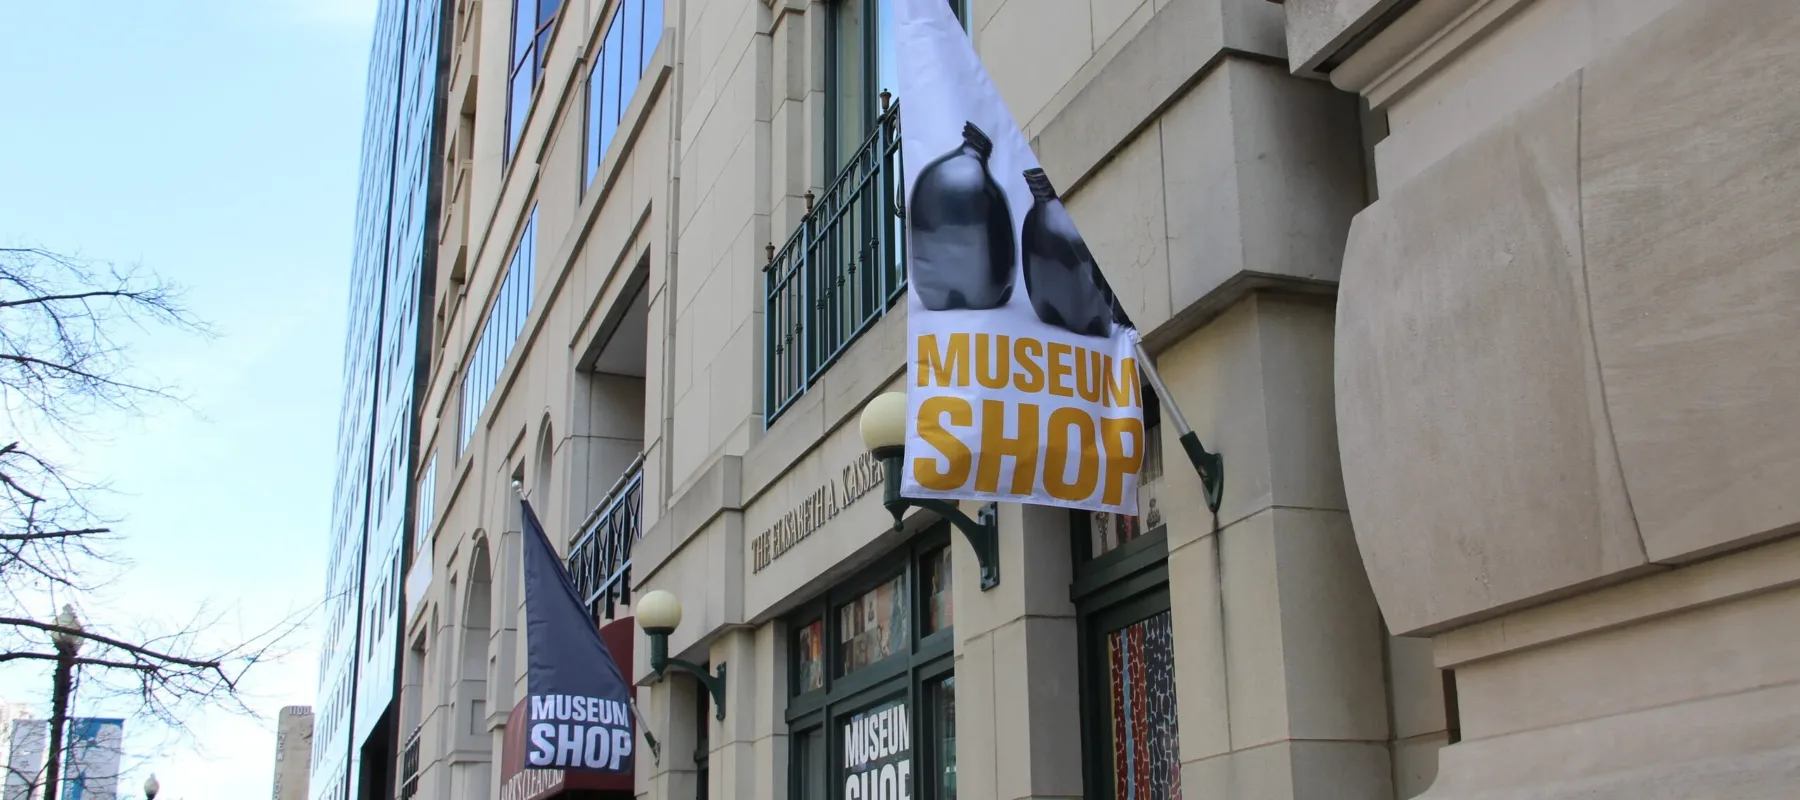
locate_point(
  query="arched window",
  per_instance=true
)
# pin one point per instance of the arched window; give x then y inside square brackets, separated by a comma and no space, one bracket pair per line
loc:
[477,615]
[541,478]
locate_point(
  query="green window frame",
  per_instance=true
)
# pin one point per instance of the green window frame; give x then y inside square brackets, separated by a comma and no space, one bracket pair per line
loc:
[826,703]
[859,69]
[841,268]
[1123,622]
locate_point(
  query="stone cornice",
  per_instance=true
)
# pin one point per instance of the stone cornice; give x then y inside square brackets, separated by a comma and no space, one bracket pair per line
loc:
[1415,44]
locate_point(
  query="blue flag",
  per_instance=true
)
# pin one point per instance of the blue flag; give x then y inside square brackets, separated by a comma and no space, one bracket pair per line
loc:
[578,715]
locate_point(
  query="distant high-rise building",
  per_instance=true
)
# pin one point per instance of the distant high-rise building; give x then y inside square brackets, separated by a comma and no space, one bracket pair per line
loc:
[391,278]
[10,713]
[93,749]
[22,743]
[293,753]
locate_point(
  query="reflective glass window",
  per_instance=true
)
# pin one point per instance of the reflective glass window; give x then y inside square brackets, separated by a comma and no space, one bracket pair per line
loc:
[653,29]
[873,626]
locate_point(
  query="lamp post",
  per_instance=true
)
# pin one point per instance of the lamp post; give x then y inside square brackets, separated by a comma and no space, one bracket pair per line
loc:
[68,641]
[151,787]
[883,425]
[659,614]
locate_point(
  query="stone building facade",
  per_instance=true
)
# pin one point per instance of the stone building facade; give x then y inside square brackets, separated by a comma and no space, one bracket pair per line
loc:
[293,753]
[1483,301]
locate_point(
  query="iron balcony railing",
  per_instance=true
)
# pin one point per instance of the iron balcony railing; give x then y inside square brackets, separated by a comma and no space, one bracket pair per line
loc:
[409,766]
[839,272]
[600,561]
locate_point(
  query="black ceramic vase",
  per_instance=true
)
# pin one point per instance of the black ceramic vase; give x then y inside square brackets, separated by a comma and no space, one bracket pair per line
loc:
[1061,278]
[961,244]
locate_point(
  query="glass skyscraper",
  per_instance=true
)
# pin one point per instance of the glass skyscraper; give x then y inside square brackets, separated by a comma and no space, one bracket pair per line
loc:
[391,279]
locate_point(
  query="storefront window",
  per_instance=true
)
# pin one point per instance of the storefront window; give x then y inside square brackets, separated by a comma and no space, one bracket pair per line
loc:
[1129,704]
[1130,733]
[943,730]
[873,626]
[878,757]
[1140,664]
[878,722]
[810,661]
[810,767]
[939,610]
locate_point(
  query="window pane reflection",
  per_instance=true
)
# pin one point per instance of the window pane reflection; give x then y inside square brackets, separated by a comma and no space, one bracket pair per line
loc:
[609,111]
[810,761]
[519,104]
[632,23]
[596,82]
[887,69]
[873,626]
[850,81]
[524,28]
[943,725]
[940,613]
[653,29]
[811,647]
[1109,531]
[631,36]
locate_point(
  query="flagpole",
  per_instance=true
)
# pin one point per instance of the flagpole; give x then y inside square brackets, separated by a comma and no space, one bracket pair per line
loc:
[649,738]
[1211,466]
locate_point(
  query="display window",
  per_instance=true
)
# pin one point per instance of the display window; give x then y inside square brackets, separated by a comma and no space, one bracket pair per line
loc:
[1130,727]
[872,705]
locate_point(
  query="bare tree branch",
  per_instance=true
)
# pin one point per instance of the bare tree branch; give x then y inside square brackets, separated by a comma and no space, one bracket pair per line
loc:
[57,298]
[25,537]
[68,364]
[83,633]
[60,316]
[89,662]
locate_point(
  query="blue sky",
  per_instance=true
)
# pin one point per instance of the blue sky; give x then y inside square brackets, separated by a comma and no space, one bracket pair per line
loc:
[214,141]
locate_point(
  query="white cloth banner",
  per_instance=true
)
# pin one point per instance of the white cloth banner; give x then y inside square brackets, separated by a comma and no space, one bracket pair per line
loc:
[1022,381]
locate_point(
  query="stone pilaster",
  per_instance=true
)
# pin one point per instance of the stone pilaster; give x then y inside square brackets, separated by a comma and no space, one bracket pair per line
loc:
[1018,712]
[1279,645]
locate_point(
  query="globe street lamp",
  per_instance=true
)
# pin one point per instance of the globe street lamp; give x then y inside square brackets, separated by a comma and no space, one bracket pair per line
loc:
[883,426]
[659,614]
[66,635]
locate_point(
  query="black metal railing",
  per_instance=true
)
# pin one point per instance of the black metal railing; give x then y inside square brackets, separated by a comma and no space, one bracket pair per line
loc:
[409,766]
[839,272]
[600,561]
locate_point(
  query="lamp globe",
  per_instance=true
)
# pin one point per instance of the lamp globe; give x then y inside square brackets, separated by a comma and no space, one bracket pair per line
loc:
[658,611]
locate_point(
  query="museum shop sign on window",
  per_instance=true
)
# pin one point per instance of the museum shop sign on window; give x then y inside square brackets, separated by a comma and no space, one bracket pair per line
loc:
[871,709]
[878,754]
[825,503]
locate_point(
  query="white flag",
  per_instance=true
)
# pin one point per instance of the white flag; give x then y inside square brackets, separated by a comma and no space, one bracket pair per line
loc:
[1022,381]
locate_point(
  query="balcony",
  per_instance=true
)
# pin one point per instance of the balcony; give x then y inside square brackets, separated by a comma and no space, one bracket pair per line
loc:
[839,272]
[600,561]
[409,766]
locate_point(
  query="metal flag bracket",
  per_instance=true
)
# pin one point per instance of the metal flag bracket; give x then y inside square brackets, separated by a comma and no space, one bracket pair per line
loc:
[1210,466]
